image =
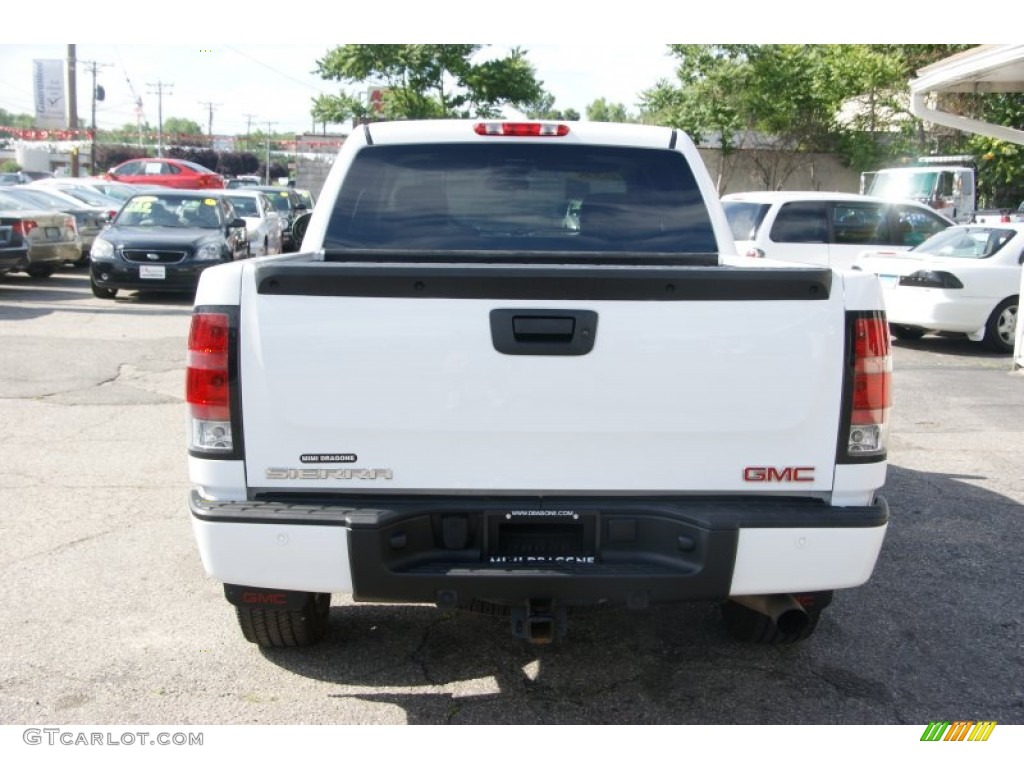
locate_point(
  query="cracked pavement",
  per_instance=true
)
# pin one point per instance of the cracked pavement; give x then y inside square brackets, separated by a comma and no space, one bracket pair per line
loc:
[110,618]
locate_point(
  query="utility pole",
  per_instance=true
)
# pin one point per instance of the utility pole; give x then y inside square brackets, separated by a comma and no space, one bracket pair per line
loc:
[159,85]
[92,66]
[266,170]
[72,104]
[138,119]
[210,105]
[248,131]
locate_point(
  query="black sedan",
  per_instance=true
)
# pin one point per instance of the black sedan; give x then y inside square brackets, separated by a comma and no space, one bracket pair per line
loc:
[162,241]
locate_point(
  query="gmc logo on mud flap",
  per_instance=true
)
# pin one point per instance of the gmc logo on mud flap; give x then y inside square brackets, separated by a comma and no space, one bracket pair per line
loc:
[778,475]
[265,598]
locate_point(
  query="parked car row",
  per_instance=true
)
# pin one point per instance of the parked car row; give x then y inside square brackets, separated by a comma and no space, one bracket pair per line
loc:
[937,277]
[35,240]
[269,212]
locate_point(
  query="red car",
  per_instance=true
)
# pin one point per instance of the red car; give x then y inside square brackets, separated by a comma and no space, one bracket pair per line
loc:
[166,172]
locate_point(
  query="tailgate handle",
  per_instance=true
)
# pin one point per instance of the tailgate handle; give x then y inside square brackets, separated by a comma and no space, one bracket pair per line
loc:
[543,331]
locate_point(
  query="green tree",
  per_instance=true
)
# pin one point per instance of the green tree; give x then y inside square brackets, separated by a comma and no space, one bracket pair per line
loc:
[187,129]
[12,120]
[782,102]
[602,111]
[544,109]
[1000,163]
[424,81]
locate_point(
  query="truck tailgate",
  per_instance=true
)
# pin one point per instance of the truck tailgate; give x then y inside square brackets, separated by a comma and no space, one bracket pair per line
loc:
[361,379]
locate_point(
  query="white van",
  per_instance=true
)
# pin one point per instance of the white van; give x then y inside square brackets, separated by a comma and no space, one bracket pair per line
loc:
[828,228]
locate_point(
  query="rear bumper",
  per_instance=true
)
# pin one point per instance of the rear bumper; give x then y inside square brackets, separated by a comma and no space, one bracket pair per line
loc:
[937,310]
[12,259]
[54,253]
[455,551]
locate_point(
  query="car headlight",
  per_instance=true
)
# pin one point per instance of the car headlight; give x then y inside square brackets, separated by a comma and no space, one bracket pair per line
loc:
[924,278]
[102,250]
[208,252]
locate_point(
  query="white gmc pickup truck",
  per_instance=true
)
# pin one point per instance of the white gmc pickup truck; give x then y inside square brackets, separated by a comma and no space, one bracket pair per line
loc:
[519,368]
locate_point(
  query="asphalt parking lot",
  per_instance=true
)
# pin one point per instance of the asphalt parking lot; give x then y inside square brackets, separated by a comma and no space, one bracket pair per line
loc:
[110,619]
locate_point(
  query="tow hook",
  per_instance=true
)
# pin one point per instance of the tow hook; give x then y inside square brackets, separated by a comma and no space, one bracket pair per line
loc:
[540,621]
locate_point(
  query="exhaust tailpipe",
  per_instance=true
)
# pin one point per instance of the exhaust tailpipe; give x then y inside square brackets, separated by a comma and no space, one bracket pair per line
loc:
[786,613]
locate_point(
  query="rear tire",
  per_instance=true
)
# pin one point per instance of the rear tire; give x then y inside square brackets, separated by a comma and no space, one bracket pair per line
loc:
[1001,327]
[40,273]
[749,626]
[906,332]
[269,628]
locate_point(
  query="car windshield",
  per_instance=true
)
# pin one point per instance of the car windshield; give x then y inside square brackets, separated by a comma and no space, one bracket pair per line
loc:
[41,200]
[194,166]
[966,242]
[913,185]
[521,197]
[281,201]
[89,196]
[11,203]
[744,218]
[245,206]
[120,192]
[176,211]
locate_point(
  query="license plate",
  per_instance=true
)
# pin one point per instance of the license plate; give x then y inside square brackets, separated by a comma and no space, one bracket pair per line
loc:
[147,272]
[53,233]
[888,281]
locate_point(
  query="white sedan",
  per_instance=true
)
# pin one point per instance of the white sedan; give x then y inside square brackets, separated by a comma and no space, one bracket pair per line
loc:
[264,225]
[965,279]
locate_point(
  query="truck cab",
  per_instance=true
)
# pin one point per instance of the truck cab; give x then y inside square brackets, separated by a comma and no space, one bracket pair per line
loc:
[948,189]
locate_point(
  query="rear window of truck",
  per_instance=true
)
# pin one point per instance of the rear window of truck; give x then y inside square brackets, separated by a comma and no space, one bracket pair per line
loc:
[520,197]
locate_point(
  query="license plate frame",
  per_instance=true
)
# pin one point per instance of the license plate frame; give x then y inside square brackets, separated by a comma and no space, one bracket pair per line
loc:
[152,272]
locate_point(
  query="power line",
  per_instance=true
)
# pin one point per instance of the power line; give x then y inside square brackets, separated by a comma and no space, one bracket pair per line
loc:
[275,71]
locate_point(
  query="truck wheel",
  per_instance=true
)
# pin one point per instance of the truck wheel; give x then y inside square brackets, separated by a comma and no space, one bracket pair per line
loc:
[1001,327]
[906,332]
[270,628]
[749,626]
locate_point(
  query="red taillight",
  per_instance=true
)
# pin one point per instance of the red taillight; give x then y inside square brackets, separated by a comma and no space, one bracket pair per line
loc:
[208,384]
[521,129]
[25,226]
[872,385]
[207,388]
